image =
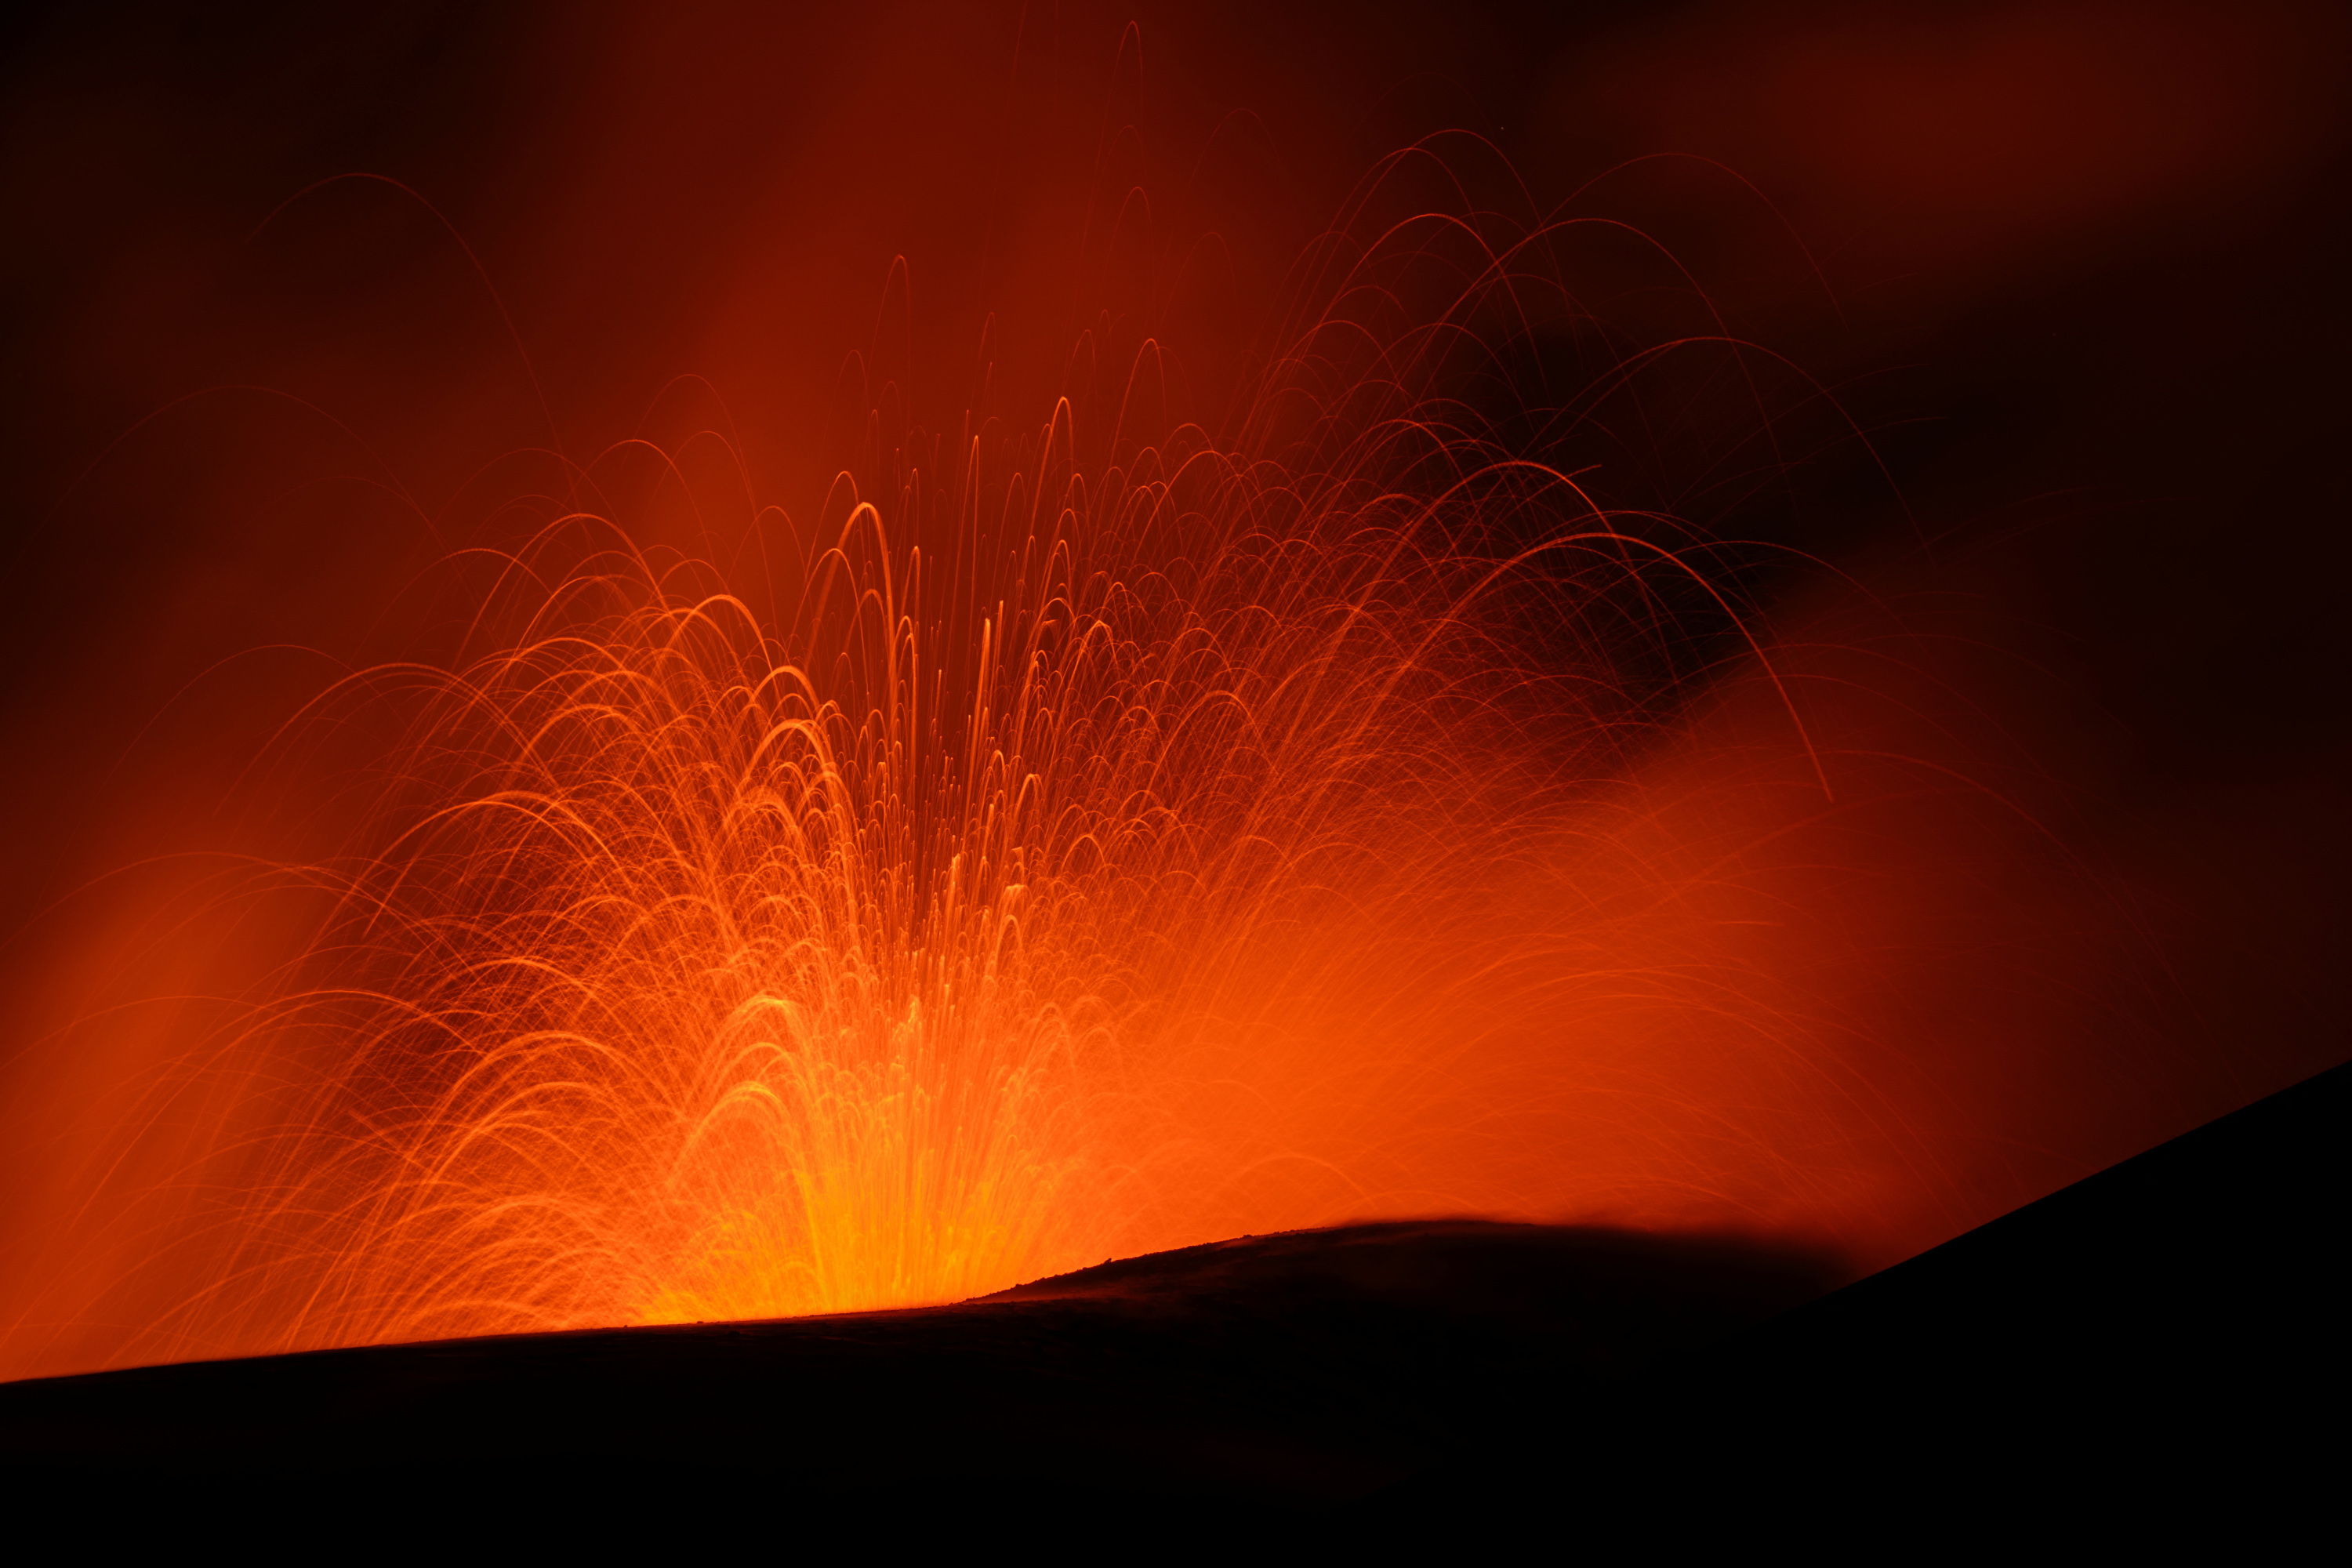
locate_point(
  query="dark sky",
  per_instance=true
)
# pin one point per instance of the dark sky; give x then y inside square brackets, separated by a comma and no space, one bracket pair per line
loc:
[2106,272]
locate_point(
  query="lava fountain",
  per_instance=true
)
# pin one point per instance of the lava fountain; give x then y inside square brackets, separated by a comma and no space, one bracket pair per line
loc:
[691,970]
[1121,816]
[676,965]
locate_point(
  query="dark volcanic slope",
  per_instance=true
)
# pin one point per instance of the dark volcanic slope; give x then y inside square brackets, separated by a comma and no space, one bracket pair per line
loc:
[2157,1344]
[2156,1352]
[2163,1336]
[1317,1364]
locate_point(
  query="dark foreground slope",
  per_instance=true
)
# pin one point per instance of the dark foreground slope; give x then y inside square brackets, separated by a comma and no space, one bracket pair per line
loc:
[2166,1335]
[2157,1353]
[1313,1365]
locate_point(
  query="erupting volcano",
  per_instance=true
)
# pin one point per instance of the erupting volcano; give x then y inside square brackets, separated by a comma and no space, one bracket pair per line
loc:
[1256,747]
[1090,837]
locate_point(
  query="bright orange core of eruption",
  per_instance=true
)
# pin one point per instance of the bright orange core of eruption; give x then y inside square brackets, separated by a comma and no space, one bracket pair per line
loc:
[690,971]
[750,985]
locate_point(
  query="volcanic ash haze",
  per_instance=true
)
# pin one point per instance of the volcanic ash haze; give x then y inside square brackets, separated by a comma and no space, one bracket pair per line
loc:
[794,665]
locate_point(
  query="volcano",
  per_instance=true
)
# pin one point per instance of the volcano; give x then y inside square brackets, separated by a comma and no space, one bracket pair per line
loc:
[2164,1333]
[696,685]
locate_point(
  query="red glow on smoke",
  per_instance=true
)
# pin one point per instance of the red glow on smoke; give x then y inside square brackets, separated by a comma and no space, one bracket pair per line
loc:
[909,702]
[1971,139]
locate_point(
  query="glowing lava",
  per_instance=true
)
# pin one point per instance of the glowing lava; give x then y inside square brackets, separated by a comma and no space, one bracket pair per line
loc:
[683,969]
